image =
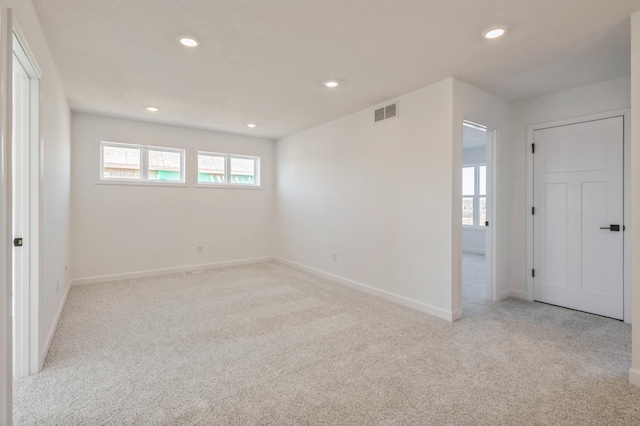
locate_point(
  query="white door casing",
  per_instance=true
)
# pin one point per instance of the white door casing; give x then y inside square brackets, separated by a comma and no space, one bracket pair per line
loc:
[578,189]
[21,219]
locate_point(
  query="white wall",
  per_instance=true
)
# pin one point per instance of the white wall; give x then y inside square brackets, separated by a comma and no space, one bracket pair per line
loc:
[119,229]
[610,95]
[473,104]
[379,195]
[55,182]
[473,239]
[634,372]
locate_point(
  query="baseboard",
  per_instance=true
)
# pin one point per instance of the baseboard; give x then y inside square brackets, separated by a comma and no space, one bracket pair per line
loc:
[518,294]
[505,294]
[54,327]
[166,271]
[634,376]
[420,306]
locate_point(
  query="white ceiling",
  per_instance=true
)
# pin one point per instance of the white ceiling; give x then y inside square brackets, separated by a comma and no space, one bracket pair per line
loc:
[265,61]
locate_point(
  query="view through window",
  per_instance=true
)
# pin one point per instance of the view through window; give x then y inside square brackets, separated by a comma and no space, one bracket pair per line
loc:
[474,195]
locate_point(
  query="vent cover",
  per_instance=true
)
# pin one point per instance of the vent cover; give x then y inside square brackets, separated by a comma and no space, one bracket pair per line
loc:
[385,113]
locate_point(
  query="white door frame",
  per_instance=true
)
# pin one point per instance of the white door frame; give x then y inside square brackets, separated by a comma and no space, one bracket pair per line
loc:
[490,233]
[626,114]
[28,312]
[6,246]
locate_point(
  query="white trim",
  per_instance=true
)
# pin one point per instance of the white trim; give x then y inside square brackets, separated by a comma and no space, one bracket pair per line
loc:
[225,186]
[27,50]
[166,271]
[414,304]
[6,368]
[634,376]
[504,295]
[54,327]
[626,114]
[21,50]
[518,294]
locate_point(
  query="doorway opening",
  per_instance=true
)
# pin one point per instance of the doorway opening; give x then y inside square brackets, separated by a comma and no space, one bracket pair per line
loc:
[25,209]
[477,209]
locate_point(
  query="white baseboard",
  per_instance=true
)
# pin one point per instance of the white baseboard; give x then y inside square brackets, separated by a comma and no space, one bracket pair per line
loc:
[519,294]
[634,376]
[420,306]
[52,331]
[505,294]
[166,271]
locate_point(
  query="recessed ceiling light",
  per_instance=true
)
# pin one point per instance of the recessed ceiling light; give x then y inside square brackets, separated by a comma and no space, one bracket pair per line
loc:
[152,109]
[495,32]
[188,41]
[252,125]
[331,83]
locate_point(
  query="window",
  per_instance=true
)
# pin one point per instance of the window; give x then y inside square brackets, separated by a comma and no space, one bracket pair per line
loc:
[126,163]
[474,195]
[228,170]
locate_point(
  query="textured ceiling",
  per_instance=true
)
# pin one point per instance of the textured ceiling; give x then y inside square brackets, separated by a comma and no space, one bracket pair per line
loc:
[265,61]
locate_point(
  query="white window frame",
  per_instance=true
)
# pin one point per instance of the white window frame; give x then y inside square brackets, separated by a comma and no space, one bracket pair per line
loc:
[227,171]
[476,195]
[144,167]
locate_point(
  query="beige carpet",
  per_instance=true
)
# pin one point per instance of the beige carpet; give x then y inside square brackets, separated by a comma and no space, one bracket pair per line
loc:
[267,344]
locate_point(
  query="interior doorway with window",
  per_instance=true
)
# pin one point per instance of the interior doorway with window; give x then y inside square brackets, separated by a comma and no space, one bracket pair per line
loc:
[25,209]
[477,277]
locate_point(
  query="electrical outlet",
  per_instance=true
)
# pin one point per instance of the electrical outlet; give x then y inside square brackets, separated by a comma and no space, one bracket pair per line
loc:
[335,256]
[200,249]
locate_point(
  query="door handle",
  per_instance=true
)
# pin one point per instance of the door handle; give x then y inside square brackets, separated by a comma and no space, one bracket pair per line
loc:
[612,228]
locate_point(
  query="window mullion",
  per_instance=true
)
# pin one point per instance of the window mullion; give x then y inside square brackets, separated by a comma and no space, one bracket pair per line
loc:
[476,191]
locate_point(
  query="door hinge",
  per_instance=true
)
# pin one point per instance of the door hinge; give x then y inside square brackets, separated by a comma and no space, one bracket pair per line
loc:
[533,210]
[533,148]
[17,242]
[533,273]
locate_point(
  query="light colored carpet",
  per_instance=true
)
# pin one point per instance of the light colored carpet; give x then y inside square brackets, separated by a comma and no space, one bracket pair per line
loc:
[474,278]
[267,344]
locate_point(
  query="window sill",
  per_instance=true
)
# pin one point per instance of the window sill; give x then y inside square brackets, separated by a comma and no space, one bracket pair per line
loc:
[141,183]
[226,186]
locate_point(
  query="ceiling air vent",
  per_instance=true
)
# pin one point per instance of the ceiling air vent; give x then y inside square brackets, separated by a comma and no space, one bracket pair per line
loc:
[385,113]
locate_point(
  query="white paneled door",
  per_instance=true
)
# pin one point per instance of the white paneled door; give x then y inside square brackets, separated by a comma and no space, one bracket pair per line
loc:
[578,217]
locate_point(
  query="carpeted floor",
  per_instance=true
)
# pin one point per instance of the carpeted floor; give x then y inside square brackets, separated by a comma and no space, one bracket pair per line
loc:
[266,344]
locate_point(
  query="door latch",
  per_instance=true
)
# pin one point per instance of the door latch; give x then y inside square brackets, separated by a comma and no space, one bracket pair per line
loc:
[17,242]
[612,228]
